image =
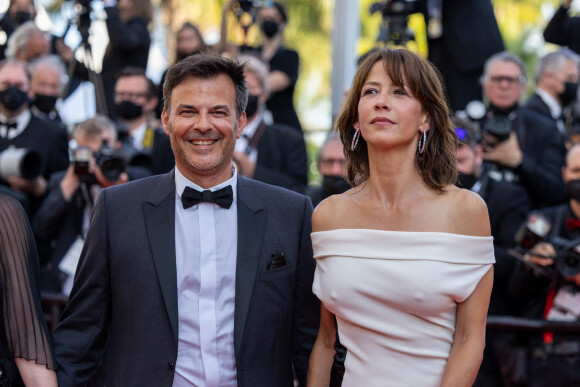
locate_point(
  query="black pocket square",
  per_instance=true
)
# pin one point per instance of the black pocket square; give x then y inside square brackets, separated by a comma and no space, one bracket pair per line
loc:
[277,260]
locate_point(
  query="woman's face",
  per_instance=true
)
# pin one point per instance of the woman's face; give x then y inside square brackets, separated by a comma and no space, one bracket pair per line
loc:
[187,41]
[388,115]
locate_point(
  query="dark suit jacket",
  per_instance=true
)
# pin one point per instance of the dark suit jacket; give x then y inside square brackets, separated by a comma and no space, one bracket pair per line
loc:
[544,155]
[162,159]
[282,158]
[537,104]
[470,36]
[58,222]
[564,30]
[125,288]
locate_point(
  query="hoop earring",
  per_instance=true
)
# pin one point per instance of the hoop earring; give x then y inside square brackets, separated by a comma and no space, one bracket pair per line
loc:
[422,142]
[355,138]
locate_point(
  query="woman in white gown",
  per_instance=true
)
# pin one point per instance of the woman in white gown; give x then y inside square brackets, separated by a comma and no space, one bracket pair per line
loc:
[404,259]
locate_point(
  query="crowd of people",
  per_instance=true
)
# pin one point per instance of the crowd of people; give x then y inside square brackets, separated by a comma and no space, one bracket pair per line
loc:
[180,225]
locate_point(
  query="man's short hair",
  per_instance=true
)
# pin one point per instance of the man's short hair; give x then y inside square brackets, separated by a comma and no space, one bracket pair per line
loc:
[132,71]
[257,67]
[95,127]
[207,66]
[16,62]
[19,39]
[555,61]
[503,56]
[51,61]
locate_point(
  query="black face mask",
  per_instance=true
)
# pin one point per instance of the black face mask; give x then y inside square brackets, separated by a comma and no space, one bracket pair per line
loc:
[45,103]
[332,185]
[569,93]
[573,189]
[128,110]
[13,98]
[21,17]
[466,180]
[252,106]
[269,28]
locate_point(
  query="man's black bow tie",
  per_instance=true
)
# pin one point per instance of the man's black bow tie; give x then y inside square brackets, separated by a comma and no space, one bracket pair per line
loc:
[8,125]
[222,197]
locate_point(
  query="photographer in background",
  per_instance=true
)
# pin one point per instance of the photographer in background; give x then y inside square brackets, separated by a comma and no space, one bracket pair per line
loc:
[508,205]
[20,128]
[557,76]
[519,145]
[272,19]
[63,218]
[546,284]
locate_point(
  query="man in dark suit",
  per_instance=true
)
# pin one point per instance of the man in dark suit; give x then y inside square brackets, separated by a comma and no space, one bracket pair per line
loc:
[63,218]
[22,129]
[274,154]
[189,287]
[135,103]
[508,205]
[462,34]
[520,145]
[564,29]
[557,75]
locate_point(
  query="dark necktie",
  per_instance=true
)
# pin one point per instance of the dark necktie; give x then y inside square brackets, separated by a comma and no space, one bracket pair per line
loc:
[222,197]
[573,224]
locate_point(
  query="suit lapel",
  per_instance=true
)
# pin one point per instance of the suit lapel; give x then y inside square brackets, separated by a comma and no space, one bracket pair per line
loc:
[251,228]
[159,212]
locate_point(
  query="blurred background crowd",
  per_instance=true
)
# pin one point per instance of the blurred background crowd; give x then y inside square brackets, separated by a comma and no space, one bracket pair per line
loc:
[81,99]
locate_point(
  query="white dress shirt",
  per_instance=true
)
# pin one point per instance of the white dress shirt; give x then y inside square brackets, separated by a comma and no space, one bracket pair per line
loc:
[21,120]
[206,238]
[137,135]
[555,108]
[244,140]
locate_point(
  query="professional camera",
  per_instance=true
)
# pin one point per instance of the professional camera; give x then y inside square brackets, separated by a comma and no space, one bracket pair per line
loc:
[20,162]
[394,27]
[110,161]
[537,229]
[499,126]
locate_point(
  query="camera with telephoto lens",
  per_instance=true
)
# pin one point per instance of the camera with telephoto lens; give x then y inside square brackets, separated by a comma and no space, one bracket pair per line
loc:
[537,229]
[110,161]
[394,27]
[20,162]
[499,126]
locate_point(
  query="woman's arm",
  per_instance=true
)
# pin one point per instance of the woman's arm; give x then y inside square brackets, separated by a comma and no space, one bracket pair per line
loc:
[322,355]
[33,374]
[469,340]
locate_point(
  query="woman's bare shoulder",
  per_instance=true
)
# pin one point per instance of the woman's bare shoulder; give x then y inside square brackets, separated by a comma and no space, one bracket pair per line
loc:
[328,214]
[467,212]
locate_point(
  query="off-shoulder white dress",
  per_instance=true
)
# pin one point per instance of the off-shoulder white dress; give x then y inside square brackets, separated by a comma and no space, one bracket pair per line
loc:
[395,298]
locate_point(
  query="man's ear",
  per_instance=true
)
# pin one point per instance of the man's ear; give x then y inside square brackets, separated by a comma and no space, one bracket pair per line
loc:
[241,124]
[165,122]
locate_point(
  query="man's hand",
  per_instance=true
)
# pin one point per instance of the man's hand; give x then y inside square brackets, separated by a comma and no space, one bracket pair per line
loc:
[69,183]
[246,167]
[542,254]
[506,153]
[36,187]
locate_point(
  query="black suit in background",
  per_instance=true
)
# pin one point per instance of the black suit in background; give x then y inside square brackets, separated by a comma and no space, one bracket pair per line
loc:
[128,47]
[58,222]
[537,104]
[544,156]
[508,205]
[564,30]
[126,294]
[282,158]
[50,141]
[470,36]
[157,146]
